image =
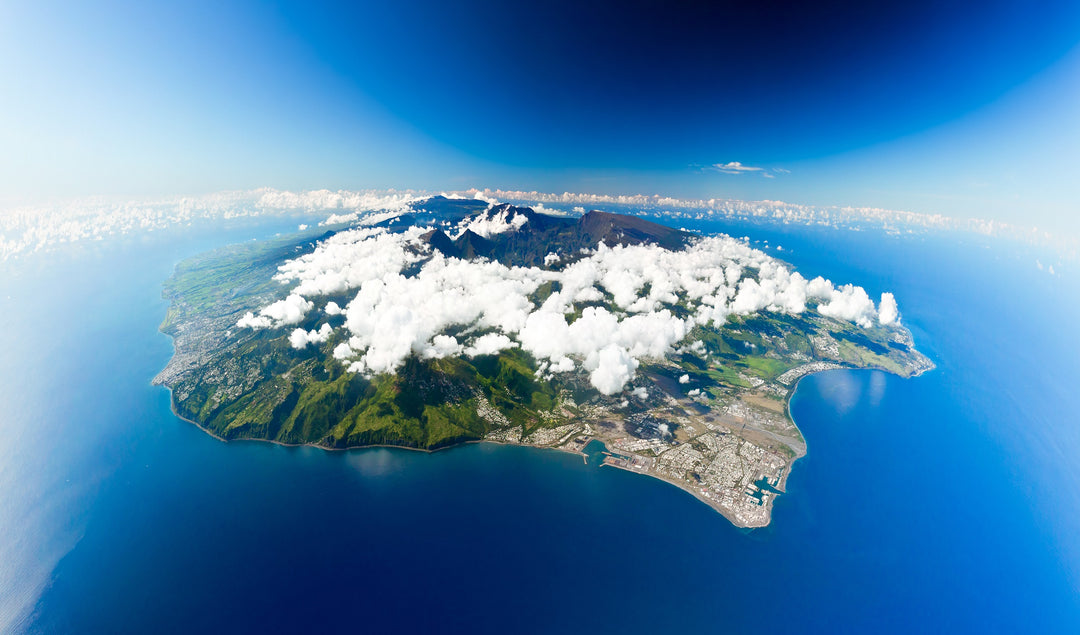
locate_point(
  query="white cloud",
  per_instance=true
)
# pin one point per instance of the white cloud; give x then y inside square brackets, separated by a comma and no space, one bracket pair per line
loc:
[735,167]
[252,321]
[479,196]
[30,229]
[300,338]
[490,344]
[488,224]
[442,346]
[684,379]
[610,369]
[291,310]
[697,347]
[847,303]
[887,311]
[487,304]
[540,209]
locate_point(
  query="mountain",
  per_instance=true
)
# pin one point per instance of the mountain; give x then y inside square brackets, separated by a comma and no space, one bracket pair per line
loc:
[535,235]
[704,410]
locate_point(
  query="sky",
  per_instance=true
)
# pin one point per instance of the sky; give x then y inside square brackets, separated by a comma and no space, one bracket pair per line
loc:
[966,109]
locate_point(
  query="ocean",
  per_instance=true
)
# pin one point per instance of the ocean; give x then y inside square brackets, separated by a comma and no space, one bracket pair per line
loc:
[945,503]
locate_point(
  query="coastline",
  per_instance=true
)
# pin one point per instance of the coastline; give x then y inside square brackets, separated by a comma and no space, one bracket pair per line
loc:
[682,486]
[781,485]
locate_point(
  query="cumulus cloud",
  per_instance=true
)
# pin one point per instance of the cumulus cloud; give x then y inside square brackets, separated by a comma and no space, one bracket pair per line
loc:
[490,200]
[29,229]
[252,321]
[887,311]
[846,303]
[490,344]
[289,311]
[610,369]
[684,379]
[489,307]
[487,225]
[442,346]
[300,338]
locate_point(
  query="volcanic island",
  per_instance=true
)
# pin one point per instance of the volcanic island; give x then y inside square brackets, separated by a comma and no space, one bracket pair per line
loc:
[447,321]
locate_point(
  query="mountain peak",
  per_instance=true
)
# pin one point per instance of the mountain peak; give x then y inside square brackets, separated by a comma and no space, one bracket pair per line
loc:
[521,236]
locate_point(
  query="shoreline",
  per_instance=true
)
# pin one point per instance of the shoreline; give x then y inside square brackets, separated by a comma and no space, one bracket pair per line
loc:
[564,450]
[781,485]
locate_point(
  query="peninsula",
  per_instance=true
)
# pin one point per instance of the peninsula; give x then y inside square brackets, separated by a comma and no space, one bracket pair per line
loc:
[448,321]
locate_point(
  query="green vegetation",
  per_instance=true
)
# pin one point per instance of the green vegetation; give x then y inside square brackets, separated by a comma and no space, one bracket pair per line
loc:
[243,384]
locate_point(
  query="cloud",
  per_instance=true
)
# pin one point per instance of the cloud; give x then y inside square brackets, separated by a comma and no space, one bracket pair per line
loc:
[610,369]
[442,346]
[490,200]
[548,211]
[887,311]
[252,321]
[291,310]
[487,224]
[736,167]
[30,229]
[300,338]
[846,303]
[489,306]
[490,344]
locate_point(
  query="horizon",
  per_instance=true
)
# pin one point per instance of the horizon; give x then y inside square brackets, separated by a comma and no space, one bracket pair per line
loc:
[29,229]
[911,107]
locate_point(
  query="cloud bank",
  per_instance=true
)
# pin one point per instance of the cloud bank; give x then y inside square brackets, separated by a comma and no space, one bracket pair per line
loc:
[30,229]
[450,307]
[36,228]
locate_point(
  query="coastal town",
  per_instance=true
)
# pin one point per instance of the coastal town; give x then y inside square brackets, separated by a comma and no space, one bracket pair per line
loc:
[734,458]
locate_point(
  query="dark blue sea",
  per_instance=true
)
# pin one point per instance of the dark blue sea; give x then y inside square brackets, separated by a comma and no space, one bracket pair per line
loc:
[945,503]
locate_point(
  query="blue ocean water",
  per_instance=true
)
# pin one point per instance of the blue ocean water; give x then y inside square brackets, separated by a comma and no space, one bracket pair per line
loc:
[950,502]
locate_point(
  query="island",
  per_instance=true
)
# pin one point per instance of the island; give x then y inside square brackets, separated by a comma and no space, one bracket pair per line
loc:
[446,321]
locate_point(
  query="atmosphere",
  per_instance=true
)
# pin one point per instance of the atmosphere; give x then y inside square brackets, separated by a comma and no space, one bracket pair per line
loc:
[648,316]
[963,109]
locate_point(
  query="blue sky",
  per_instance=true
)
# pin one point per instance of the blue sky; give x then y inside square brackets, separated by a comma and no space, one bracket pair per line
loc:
[968,109]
